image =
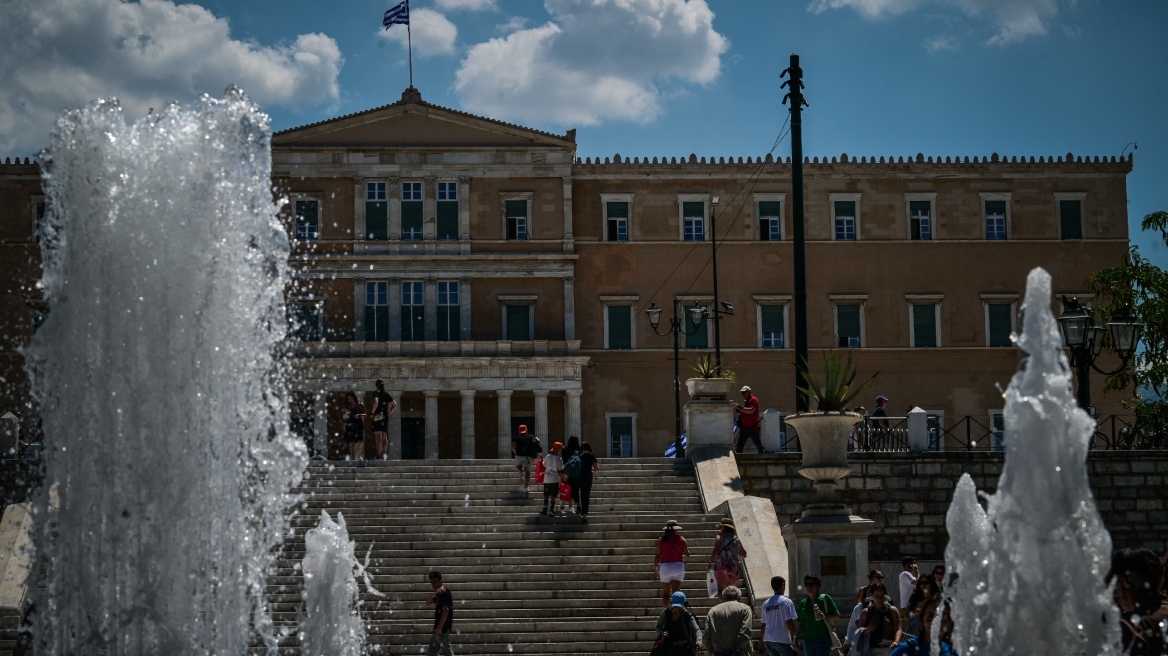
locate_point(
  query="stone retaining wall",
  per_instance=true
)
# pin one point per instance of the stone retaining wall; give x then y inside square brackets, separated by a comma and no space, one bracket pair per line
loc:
[908,494]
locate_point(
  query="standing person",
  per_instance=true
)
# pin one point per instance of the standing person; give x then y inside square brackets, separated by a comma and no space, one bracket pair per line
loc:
[588,467]
[908,578]
[878,426]
[1143,613]
[526,449]
[856,436]
[573,468]
[749,420]
[727,554]
[939,577]
[669,563]
[816,614]
[880,624]
[383,407]
[677,629]
[874,576]
[554,469]
[354,417]
[778,622]
[926,590]
[728,625]
[443,617]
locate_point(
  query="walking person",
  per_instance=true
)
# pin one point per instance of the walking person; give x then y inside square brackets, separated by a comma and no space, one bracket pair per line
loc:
[728,625]
[939,577]
[778,621]
[554,470]
[383,407]
[588,467]
[573,467]
[443,617]
[816,614]
[880,624]
[354,417]
[878,427]
[526,450]
[726,558]
[749,420]
[669,563]
[678,633]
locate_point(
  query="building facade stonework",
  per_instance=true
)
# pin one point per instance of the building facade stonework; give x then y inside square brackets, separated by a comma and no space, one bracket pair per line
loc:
[492,278]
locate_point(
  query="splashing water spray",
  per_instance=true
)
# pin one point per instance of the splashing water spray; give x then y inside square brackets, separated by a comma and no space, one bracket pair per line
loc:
[170,459]
[332,626]
[1031,565]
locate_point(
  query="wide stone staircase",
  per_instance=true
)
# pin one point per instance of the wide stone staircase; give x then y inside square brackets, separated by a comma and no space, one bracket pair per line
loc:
[522,583]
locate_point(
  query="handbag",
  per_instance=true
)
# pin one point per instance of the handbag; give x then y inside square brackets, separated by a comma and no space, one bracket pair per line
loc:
[379,417]
[539,471]
[565,492]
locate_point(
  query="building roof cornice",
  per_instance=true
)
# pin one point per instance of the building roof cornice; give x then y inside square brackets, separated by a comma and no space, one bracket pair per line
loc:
[844,162]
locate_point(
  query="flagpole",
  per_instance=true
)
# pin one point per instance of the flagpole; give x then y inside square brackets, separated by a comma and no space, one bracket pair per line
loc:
[410,42]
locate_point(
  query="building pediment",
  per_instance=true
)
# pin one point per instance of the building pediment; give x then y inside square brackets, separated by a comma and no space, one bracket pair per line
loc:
[413,123]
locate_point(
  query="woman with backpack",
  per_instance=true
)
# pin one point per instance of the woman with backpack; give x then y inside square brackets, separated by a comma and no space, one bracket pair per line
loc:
[573,467]
[726,559]
[588,467]
[669,564]
[677,630]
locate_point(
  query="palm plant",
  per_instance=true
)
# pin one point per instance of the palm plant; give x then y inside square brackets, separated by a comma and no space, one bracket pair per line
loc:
[706,368]
[837,390]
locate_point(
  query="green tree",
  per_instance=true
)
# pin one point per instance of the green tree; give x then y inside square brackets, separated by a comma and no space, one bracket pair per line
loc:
[1141,288]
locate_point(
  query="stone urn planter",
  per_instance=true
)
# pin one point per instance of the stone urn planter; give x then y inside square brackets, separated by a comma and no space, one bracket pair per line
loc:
[716,389]
[823,439]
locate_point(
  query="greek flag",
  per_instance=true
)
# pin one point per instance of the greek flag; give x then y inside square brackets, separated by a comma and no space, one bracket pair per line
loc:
[671,452]
[399,15]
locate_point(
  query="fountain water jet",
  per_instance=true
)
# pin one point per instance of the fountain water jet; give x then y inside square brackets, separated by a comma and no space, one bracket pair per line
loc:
[1031,566]
[332,626]
[165,267]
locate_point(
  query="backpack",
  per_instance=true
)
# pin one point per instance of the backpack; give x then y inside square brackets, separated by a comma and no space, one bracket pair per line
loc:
[573,467]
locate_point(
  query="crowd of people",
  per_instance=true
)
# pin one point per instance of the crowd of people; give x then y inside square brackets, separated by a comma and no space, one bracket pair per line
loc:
[566,472]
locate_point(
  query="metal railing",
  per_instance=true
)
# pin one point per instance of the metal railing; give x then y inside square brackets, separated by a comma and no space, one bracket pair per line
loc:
[876,434]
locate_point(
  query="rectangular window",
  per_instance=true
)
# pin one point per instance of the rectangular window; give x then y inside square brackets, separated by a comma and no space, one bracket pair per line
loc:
[518,323]
[920,219]
[999,318]
[772,326]
[306,322]
[620,436]
[307,220]
[998,430]
[847,319]
[924,318]
[700,338]
[449,312]
[770,220]
[620,328]
[376,311]
[413,322]
[618,221]
[995,219]
[1071,219]
[516,211]
[448,210]
[694,215]
[376,212]
[411,211]
[845,220]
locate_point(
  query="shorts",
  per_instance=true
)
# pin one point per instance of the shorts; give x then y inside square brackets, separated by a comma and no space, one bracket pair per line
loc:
[381,426]
[551,489]
[672,572]
[353,438]
[525,463]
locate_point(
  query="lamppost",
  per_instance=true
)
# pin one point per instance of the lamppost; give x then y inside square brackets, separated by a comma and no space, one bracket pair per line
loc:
[677,328]
[1084,337]
[719,308]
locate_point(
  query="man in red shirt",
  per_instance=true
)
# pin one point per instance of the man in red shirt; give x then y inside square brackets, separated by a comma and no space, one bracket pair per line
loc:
[749,420]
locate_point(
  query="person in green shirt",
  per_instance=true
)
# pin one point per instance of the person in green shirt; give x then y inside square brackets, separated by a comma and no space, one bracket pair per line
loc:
[816,613]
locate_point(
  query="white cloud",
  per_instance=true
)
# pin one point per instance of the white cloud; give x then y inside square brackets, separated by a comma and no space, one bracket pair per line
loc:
[940,42]
[869,8]
[467,5]
[513,24]
[1015,20]
[432,33]
[63,53]
[596,60]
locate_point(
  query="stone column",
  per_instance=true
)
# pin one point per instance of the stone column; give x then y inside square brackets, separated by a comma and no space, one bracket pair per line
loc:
[393,221]
[430,309]
[464,309]
[320,426]
[464,216]
[358,215]
[393,433]
[569,308]
[358,309]
[431,424]
[468,424]
[541,422]
[569,239]
[918,430]
[395,299]
[574,427]
[429,212]
[504,422]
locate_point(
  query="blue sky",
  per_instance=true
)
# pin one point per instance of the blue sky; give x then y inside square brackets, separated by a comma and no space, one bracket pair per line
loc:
[884,77]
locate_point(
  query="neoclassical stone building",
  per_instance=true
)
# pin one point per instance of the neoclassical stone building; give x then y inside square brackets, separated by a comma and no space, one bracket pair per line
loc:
[492,278]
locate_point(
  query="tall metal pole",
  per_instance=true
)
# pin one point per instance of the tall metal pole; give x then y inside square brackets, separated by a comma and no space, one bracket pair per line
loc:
[795,95]
[717,314]
[675,324]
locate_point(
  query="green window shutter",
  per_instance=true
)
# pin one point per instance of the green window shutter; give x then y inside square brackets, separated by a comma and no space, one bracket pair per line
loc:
[848,323]
[768,207]
[1071,219]
[995,207]
[307,212]
[999,319]
[919,207]
[619,327]
[448,219]
[411,217]
[699,339]
[412,323]
[376,323]
[924,325]
[693,209]
[845,208]
[449,323]
[621,431]
[518,323]
[306,326]
[516,208]
[618,210]
[772,318]
[376,220]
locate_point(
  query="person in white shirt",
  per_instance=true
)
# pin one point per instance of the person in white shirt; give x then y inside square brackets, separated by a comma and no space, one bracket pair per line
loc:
[778,622]
[908,579]
[554,469]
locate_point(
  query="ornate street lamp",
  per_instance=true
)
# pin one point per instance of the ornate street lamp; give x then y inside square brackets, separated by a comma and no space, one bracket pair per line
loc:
[677,327]
[1085,338]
